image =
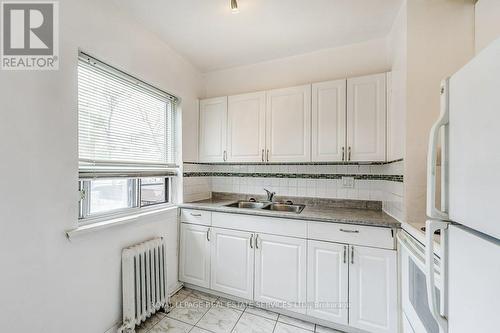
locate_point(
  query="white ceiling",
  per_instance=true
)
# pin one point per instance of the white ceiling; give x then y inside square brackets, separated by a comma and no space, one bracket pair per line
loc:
[211,37]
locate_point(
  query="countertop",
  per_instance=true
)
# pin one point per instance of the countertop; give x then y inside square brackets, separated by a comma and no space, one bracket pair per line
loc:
[356,216]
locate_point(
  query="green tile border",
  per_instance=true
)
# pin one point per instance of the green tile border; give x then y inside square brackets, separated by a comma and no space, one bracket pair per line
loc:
[296,163]
[393,178]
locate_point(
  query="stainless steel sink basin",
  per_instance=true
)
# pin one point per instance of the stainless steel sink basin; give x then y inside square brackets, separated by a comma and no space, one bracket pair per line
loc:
[248,204]
[282,207]
[275,206]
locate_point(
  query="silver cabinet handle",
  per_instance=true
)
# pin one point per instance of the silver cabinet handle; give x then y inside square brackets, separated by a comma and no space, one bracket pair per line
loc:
[251,241]
[193,214]
[352,254]
[208,234]
[343,153]
[224,157]
[345,253]
[349,153]
[267,155]
[263,155]
[257,241]
[350,231]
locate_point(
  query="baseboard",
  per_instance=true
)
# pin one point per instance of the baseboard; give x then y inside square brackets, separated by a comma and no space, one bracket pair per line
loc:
[321,322]
[114,328]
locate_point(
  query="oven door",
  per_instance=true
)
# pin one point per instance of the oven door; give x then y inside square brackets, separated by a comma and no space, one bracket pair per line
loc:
[417,317]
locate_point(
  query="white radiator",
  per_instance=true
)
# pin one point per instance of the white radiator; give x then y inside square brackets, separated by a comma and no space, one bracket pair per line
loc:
[144,280]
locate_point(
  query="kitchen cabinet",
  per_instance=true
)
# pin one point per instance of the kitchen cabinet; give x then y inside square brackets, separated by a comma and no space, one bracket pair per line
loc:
[327,281]
[341,120]
[373,289]
[307,264]
[329,121]
[366,118]
[280,271]
[288,124]
[194,265]
[213,128]
[246,127]
[232,262]
[395,117]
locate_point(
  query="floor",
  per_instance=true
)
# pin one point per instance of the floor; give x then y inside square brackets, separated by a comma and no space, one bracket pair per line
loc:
[197,312]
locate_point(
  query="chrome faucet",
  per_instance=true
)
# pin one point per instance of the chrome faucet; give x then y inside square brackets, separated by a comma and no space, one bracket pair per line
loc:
[270,195]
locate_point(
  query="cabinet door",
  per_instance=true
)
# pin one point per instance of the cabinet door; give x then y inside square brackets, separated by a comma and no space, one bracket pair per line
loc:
[194,266]
[232,262]
[280,271]
[288,124]
[396,104]
[373,289]
[366,118]
[327,281]
[246,127]
[328,121]
[213,124]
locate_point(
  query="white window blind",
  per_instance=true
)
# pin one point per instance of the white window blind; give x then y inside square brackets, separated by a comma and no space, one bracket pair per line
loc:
[125,125]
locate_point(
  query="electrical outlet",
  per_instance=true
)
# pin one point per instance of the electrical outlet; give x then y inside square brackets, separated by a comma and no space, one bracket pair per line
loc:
[348,182]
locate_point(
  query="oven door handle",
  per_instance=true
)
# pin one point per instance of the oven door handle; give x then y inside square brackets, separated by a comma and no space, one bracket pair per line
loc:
[416,254]
[430,228]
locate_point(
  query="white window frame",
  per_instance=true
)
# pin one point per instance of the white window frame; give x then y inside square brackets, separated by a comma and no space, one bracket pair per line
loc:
[85,217]
[93,170]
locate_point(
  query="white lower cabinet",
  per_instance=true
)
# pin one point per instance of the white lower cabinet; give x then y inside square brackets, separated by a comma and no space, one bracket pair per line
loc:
[280,271]
[327,281]
[373,289]
[232,262]
[194,266]
[318,278]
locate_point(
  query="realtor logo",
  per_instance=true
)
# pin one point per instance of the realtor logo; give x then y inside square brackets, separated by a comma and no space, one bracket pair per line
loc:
[29,35]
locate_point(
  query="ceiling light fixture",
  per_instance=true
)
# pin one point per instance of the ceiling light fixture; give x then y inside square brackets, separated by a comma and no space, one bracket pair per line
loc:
[234,6]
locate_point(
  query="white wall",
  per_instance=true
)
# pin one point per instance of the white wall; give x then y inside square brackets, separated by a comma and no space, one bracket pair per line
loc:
[352,60]
[440,40]
[396,41]
[47,283]
[396,112]
[487,22]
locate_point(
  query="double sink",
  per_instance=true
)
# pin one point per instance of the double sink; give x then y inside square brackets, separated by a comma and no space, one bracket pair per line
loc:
[274,206]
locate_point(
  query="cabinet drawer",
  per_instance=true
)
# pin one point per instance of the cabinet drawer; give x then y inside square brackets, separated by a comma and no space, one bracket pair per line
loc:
[352,234]
[195,216]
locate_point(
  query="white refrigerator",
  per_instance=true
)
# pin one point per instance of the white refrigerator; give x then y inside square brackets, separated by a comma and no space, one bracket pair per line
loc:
[468,215]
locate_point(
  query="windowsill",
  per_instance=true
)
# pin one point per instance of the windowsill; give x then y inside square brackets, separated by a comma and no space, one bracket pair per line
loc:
[105,223]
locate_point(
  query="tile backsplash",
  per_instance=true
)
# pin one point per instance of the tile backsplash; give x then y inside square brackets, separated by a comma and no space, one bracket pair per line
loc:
[383,182]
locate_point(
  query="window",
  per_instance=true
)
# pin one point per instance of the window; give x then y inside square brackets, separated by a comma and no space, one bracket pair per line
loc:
[108,196]
[126,140]
[153,191]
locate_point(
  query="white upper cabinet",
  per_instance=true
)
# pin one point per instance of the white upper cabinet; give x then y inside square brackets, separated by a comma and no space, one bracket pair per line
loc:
[366,118]
[213,128]
[342,120]
[232,262]
[373,289]
[194,262]
[396,100]
[327,281]
[246,127]
[288,124]
[280,270]
[328,121]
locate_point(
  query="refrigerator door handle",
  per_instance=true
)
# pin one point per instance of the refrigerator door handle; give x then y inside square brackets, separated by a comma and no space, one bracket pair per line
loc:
[430,228]
[432,210]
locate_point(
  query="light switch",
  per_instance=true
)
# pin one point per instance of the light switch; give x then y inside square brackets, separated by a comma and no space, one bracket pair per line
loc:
[348,182]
